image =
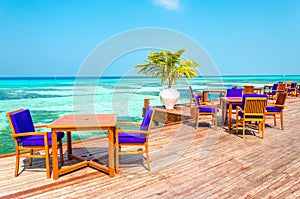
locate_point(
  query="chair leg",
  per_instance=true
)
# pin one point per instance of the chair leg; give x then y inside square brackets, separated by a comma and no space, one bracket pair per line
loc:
[147,156]
[244,129]
[117,158]
[216,121]
[236,124]
[30,159]
[274,116]
[197,120]
[47,159]
[17,163]
[61,153]
[281,120]
[263,129]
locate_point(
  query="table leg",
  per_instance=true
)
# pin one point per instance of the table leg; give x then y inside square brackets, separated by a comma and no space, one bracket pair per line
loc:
[224,110]
[229,116]
[54,155]
[204,96]
[69,145]
[111,152]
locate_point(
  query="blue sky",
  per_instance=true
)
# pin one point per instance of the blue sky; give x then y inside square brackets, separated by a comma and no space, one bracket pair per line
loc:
[242,37]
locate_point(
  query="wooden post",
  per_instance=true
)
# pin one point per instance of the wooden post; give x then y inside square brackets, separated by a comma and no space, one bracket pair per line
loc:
[146,104]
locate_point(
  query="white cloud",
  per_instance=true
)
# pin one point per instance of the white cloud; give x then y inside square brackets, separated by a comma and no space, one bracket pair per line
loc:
[167,4]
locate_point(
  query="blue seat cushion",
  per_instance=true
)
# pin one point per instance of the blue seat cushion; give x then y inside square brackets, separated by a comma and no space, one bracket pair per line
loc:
[131,138]
[273,109]
[271,93]
[207,109]
[38,140]
[241,114]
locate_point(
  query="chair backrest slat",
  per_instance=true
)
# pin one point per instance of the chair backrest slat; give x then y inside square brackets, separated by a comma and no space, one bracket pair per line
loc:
[248,89]
[255,106]
[281,87]
[281,98]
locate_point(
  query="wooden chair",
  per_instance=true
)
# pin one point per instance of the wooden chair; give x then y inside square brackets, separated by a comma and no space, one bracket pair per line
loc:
[292,90]
[234,92]
[253,110]
[271,93]
[192,95]
[134,138]
[248,89]
[280,89]
[277,108]
[288,84]
[205,109]
[26,138]
[277,88]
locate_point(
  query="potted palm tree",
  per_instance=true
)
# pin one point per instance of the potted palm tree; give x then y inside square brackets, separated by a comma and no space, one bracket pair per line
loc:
[168,67]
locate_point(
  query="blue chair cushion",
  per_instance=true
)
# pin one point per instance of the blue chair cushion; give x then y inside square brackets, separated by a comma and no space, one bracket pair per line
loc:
[147,118]
[234,92]
[207,109]
[38,140]
[22,122]
[271,93]
[274,88]
[273,109]
[131,138]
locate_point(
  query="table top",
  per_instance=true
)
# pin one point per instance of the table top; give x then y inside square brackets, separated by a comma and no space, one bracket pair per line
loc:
[214,91]
[85,121]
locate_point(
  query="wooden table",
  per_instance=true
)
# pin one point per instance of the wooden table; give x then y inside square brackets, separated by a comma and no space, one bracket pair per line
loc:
[230,101]
[83,122]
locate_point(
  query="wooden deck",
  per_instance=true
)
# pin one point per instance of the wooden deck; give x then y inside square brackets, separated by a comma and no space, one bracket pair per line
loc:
[184,164]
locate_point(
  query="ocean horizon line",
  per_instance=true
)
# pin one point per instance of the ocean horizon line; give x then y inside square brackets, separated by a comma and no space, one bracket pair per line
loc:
[119,77]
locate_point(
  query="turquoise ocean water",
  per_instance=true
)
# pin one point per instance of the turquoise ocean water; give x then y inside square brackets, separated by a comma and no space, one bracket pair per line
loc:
[49,98]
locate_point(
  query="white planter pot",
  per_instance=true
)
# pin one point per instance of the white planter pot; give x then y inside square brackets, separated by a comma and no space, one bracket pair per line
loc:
[169,97]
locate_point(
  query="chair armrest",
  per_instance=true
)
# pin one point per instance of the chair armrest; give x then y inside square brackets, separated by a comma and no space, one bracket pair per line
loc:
[238,108]
[206,104]
[27,134]
[197,93]
[132,131]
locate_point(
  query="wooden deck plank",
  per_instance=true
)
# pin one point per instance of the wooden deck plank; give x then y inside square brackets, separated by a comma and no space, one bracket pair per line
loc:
[185,163]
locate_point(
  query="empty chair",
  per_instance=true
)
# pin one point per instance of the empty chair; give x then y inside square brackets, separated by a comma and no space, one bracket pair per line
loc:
[234,92]
[277,108]
[292,90]
[288,84]
[204,109]
[248,89]
[134,138]
[26,138]
[252,110]
[271,94]
[192,95]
